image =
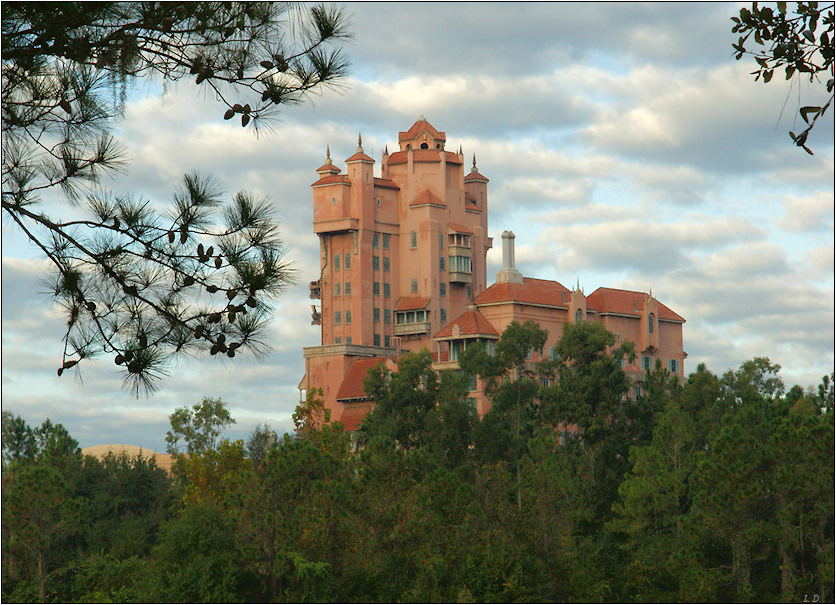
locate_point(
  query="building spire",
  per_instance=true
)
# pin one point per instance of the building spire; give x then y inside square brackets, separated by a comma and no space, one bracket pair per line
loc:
[474,164]
[359,143]
[327,154]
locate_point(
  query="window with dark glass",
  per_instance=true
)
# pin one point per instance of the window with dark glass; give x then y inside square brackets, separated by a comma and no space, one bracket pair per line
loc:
[347,260]
[336,262]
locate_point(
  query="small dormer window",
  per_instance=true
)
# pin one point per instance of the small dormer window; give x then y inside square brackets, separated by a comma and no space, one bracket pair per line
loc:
[650,321]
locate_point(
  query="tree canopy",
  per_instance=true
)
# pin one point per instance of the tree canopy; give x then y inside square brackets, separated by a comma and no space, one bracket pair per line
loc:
[139,282]
[798,40]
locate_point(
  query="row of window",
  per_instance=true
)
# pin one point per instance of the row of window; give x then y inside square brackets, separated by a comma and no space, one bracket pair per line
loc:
[409,317]
[647,364]
[337,258]
[387,342]
[376,263]
[376,240]
[347,289]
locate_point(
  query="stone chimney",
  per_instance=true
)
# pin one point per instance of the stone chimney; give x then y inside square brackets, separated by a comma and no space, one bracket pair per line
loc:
[508,273]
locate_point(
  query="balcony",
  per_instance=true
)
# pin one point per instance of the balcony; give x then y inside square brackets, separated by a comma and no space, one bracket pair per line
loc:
[460,277]
[412,329]
[316,289]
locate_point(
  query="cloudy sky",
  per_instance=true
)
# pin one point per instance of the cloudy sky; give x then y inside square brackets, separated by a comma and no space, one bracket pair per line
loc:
[624,145]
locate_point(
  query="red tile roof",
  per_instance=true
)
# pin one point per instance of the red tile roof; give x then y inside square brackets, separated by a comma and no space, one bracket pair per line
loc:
[385,183]
[475,176]
[352,384]
[359,157]
[459,228]
[531,291]
[427,197]
[334,178]
[399,157]
[328,168]
[625,302]
[471,323]
[423,155]
[470,206]
[417,128]
[410,303]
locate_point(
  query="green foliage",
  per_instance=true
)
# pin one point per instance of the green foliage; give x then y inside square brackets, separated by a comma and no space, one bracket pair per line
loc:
[791,40]
[199,427]
[723,494]
[140,285]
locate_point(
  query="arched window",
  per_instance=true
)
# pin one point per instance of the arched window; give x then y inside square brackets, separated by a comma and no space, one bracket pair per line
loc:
[579,316]
[650,321]
[424,146]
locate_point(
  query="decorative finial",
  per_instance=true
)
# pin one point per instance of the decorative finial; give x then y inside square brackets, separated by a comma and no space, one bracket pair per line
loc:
[327,154]
[386,150]
[359,143]
[421,118]
[460,150]
[474,164]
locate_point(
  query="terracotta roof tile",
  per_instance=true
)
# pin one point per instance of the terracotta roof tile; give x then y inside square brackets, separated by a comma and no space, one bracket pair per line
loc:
[417,128]
[334,178]
[411,303]
[475,176]
[531,291]
[359,157]
[328,168]
[626,302]
[471,207]
[459,228]
[399,157]
[385,183]
[427,197]
[471,323]
[352,384]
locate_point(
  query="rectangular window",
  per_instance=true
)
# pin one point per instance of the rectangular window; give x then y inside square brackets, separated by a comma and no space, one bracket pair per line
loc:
[347,260]
[347,288]
[375,263]
[413,286]
[336,262]
[443,315]
[348,340]
[472,386]
[386,342]
[376,314]
[385,263]
[413,239]
[385,241]
[387,316]
[637,391]
[441,240]
[441,263]
[469,292]
[375,241]
[376,288]
[645,362]
[338,340]
[442,289]
[337,289]
[673,366]
[348,317]
[338,318]
[552,352]
[377,340]
[387,291]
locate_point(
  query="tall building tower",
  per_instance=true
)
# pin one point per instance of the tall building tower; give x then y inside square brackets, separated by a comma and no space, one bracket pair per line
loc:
[401,255]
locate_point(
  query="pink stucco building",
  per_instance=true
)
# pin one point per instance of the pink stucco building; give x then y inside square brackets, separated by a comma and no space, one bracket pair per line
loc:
[403,267]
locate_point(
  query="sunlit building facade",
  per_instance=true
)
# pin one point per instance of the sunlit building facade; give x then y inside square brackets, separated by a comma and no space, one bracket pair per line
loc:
[403,268]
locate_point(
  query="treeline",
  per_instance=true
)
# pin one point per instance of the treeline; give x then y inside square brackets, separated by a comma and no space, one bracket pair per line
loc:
[717,489]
